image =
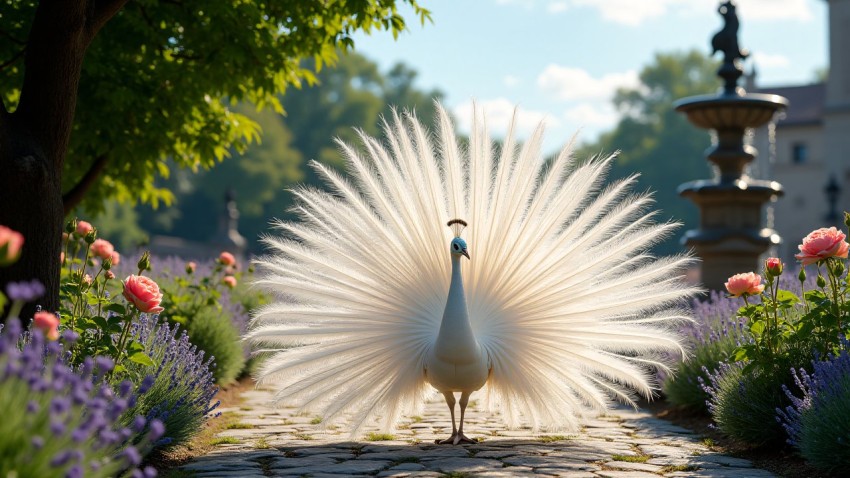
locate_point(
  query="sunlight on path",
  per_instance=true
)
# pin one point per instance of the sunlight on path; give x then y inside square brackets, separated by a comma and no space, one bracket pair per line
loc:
[624,444]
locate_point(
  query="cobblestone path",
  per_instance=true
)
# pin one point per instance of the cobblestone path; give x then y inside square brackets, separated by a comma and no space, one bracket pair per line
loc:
[622,444]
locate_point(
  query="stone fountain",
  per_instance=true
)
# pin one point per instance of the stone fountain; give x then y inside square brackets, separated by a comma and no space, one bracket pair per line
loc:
[731,234]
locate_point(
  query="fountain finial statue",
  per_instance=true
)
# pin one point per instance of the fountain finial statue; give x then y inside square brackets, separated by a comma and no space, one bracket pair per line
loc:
[726,41]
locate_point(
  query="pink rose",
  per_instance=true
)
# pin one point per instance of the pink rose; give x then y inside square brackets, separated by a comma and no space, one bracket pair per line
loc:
[83,228]
[144,293]
[102,248]
[230,281]
[87,279]
[48,323]
[110,275]
[10,245]
[116,258]
[190,267]
[773,266]
[821,244]
[227,259]
[747,283]
[62,257]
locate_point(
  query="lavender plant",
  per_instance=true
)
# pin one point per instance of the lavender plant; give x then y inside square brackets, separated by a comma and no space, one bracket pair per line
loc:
[206,300]
[818,423]
[711,339]
[743,403]
[182,387]
[63,421]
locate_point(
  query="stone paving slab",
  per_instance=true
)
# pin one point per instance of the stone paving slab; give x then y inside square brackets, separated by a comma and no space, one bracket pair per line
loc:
[624,443]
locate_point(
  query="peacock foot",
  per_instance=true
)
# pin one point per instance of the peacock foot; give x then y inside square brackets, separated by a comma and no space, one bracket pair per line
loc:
[456,439]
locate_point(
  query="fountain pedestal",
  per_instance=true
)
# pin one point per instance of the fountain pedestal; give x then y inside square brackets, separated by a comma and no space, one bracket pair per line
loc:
[731,234]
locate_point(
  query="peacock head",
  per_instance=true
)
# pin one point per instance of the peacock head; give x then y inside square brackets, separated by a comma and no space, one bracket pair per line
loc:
[458,245]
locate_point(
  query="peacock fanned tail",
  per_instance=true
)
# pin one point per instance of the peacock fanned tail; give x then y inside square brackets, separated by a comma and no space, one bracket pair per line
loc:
[562,293]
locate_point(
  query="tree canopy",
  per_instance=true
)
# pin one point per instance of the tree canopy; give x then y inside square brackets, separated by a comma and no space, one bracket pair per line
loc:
[656,141]
[158,80]
[352,93]
[144,86]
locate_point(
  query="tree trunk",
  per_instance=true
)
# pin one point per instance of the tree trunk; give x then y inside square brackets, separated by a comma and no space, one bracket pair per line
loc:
[34,138]
[32,205]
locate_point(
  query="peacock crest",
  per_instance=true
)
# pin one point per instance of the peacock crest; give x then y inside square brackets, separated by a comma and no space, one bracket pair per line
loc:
[580,316]
[457,226]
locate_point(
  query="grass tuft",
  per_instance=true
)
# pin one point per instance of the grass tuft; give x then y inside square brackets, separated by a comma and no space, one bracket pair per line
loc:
[316,421]
[380,437]
[631,458]
[674,468]
[551,438]
[240,426]
[224,441]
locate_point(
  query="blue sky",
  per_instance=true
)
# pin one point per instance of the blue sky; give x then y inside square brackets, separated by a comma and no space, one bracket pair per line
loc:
[561,60]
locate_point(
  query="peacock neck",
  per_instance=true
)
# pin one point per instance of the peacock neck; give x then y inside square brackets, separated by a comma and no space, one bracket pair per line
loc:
[456,342]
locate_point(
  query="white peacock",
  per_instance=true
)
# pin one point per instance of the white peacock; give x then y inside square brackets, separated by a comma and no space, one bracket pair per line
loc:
[559,311]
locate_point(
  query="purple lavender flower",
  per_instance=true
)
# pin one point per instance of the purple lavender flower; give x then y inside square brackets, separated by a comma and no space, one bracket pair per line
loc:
[818,423]
[69,417]
[180,394]
[26,291]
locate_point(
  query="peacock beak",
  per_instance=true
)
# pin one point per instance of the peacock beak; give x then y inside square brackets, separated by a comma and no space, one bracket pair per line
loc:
[465,252]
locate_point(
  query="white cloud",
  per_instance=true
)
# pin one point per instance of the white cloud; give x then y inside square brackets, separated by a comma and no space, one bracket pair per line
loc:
[774,10]
[595,115]
[626,12]
[768,60]
[557,7]
[499,112]
[635,12]
[566,83]
[510,81]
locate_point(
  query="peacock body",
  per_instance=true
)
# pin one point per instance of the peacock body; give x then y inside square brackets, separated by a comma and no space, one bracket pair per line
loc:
[554,310]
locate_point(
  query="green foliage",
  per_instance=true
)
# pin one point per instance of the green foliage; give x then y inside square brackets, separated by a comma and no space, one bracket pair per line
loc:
[656,141]
[158,80]
[103,321]
[29,418]
[744,404]
[194,301]
[684,388]
[786,329]
[354,92]
[213,332]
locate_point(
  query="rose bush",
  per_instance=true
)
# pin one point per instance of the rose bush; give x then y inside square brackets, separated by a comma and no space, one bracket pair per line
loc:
[746,284]
[10,246]
[143,293]
[822,244]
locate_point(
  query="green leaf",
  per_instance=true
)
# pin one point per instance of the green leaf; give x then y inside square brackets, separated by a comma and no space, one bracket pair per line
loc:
[117,308]
[757,327]
[100,322]
[788,297]
[141,358]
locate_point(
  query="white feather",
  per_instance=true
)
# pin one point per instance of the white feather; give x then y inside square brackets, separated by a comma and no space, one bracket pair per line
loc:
[562,296]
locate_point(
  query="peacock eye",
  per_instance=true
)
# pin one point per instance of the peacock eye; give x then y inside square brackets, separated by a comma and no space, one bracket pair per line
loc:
[456,247]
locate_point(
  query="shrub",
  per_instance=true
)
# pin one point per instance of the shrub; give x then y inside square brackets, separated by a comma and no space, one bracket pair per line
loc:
[818,424]
[743,403]
[711,339]
[181,387]
[61,421]
[214,314]
[213,332]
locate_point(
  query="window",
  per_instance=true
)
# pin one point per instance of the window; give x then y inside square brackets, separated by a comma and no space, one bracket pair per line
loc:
[799,153]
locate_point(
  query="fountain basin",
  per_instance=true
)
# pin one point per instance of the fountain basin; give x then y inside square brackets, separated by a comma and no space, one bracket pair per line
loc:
[733,111]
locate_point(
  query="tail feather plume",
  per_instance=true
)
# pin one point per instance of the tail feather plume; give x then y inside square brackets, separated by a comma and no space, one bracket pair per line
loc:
[571,309]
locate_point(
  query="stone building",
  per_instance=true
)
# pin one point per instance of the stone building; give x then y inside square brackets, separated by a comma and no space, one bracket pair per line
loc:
[808,152]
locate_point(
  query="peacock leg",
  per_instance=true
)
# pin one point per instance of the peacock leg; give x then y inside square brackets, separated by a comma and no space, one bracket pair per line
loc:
[461,438]
[450,401]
